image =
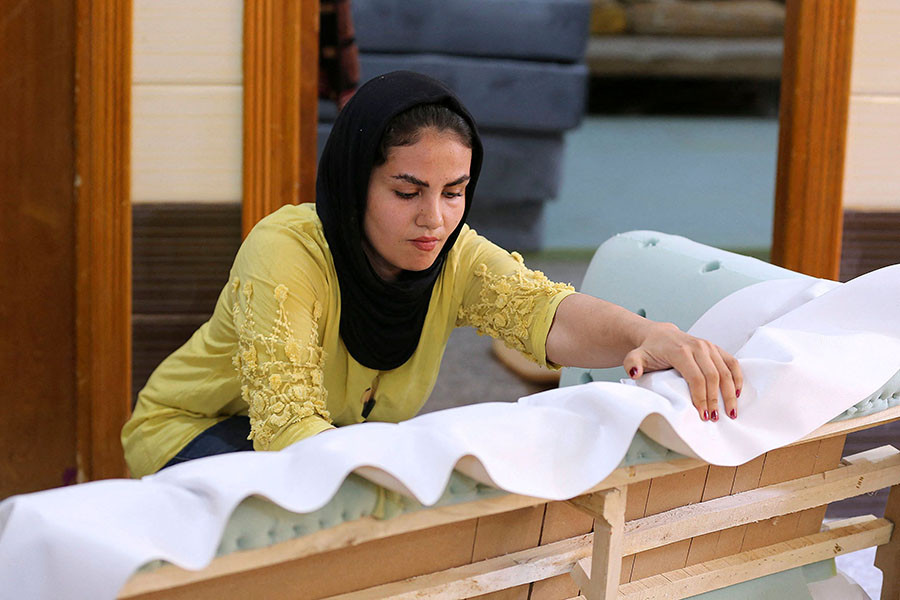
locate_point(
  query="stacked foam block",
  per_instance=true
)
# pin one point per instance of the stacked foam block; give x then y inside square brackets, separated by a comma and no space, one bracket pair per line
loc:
[518,65]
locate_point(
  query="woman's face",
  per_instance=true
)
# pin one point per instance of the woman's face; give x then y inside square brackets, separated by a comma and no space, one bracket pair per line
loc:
[415,201]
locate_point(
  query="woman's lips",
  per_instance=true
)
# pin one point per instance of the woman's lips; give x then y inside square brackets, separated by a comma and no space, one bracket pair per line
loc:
[426,244]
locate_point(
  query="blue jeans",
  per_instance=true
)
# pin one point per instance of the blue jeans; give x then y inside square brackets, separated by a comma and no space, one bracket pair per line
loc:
[225,436]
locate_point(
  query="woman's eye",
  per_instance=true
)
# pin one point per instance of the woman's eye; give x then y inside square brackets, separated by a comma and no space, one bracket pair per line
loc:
[453,194]
[404,195]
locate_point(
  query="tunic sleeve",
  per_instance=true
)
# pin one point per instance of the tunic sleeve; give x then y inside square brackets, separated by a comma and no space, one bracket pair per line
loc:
[277,294]
[506,300]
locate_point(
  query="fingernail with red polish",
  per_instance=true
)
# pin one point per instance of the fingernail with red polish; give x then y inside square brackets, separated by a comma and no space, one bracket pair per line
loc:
[733,414]
[633,371]
[737,393]
[706,415]
[715,415]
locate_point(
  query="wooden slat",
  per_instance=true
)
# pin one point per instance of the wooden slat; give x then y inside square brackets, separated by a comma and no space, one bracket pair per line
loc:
[635,508]
[606,554]
[887,557]
[665,494]
[781,464]
[187,143]
[876,47]
[103,223]
[719,481]
[813,124]
[763,503]
[850,425]
[496,535]
[489,575]
[196,42]
[743,18]
[683,583]
[694,57]
[561,521]
[280,105]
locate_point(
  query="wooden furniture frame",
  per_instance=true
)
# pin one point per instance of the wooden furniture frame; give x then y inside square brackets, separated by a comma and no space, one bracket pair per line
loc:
[670,529]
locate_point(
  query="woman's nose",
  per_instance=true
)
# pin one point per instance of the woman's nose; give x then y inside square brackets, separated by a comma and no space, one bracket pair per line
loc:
[430,212]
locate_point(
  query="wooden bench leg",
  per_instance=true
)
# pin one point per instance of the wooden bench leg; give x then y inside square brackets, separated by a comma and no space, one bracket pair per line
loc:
[887,557]
[599,577]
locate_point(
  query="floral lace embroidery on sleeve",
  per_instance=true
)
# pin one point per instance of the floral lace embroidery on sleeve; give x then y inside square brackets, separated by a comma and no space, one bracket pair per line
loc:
[506,305]
[288,384]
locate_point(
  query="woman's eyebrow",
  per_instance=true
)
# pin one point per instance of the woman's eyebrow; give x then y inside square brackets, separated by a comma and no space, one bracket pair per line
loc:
[416,181]
[410,179]
[457,181]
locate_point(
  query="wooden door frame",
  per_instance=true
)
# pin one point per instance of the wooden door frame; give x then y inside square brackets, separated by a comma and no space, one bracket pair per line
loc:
[815,99]
[103,234]
[281,56]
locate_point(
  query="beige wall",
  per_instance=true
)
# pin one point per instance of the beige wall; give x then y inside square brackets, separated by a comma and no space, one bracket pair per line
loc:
[872,168]
[187,101]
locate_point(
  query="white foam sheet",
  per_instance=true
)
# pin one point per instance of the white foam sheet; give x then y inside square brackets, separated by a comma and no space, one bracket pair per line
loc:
[808,353]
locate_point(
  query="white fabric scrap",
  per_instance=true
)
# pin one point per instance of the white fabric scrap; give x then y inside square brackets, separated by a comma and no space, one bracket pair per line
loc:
[808,353]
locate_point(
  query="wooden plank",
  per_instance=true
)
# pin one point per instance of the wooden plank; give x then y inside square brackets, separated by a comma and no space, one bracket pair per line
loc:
[719,481]
[815,93]
[187,143]
[829,453]
[103,245]
[740,18]
[887,557]
[665,494]
[862,477]
[493,574]
[876,47]
[561,521]
[850,425]
[606,555]
[781,464]
[871,181]
[695,57]
[371,564]
[751,564]
[635,508]
[503,533]
[170,47]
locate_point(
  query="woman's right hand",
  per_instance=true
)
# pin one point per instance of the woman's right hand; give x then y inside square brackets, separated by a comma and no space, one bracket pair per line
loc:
[707,368]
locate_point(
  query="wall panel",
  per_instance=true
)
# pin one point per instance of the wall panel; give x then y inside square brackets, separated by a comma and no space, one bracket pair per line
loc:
[876,51]
[188,41]
[871,177]
[187,89]
[186,143]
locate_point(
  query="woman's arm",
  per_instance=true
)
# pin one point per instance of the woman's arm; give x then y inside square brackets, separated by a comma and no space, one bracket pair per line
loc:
[592,333]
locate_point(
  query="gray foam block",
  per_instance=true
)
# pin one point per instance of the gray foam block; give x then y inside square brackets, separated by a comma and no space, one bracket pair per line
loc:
[515,166]
[500,93]
[555,30]
[518,226]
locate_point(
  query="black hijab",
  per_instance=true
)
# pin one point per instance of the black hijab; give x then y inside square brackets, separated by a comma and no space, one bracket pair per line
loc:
[381,321]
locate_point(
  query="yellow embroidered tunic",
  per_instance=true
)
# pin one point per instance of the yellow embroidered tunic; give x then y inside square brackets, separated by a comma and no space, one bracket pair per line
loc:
[272,348]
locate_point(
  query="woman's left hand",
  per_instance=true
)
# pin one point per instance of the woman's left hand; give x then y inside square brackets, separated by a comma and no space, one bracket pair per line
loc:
[707,368]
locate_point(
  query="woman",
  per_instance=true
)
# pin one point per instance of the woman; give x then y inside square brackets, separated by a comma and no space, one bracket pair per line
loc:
[339,312]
